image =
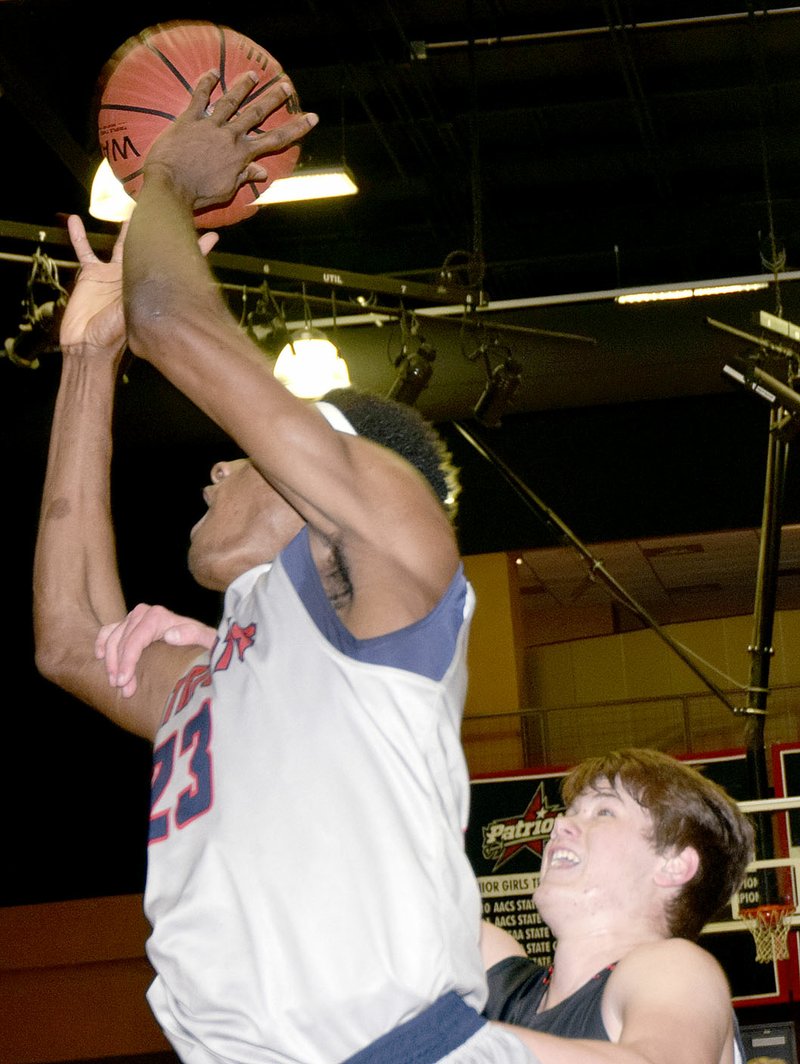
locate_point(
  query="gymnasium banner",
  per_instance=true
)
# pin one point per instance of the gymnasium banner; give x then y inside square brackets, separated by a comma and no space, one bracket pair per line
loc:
[510,822]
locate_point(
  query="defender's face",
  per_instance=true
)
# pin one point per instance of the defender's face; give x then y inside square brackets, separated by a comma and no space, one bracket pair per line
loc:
[599,857]
[247,523]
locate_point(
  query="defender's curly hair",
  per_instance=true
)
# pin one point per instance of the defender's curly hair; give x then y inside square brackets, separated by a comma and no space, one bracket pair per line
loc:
[404,430]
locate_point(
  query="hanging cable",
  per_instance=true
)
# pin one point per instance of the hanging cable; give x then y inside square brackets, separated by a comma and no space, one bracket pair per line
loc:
[475,161]
[776,263]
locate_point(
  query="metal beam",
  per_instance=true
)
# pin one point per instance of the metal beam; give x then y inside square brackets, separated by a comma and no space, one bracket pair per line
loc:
[325,276]
[333,278]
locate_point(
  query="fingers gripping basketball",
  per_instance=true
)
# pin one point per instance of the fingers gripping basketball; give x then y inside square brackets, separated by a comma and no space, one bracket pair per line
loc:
[149,81]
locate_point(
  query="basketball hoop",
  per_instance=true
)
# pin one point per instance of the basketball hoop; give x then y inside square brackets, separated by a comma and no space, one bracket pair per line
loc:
[769,925]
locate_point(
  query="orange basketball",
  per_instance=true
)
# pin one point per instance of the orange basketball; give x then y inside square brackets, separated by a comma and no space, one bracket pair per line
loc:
[148,82]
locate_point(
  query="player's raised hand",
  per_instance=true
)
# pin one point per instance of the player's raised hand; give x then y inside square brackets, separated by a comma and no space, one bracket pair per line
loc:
[94,323]
[208,152]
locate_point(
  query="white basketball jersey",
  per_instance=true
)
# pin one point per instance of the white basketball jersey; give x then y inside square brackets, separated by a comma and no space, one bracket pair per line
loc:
[307,883]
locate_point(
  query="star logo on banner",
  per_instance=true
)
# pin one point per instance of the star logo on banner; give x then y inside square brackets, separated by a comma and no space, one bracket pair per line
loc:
[530,830]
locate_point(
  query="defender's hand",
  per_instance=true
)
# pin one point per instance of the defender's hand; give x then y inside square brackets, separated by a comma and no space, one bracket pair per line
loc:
[93,321]
[121,644]
[93,316]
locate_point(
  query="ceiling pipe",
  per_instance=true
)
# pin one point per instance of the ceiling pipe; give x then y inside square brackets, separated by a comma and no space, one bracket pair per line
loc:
[420,49]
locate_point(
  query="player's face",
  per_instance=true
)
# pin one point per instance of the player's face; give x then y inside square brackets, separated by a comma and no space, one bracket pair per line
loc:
[599,861]
[247,523]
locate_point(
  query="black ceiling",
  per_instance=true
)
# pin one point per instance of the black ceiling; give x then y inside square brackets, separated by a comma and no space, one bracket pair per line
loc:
[578,146]
[539,148]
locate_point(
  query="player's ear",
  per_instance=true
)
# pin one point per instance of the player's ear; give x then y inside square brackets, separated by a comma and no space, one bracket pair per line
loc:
[677,867]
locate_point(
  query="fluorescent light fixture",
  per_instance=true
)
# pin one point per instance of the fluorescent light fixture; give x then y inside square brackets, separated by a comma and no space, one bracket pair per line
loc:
[663,294]
[111,203]
[748,382]
[313,182]
[768,387]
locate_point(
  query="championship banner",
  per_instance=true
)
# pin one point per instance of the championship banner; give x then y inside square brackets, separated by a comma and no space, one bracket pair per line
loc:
[510,822]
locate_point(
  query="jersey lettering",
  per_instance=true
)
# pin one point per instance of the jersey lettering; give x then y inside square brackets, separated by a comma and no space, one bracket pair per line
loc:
[197,676]
[241,638]
[193,758]
[163,762]
[196,740]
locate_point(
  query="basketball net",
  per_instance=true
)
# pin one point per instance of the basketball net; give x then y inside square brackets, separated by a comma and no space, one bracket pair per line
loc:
[769,926]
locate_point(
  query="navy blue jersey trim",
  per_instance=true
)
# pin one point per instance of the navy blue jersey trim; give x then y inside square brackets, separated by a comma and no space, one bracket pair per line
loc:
[439,1030]
[411,648]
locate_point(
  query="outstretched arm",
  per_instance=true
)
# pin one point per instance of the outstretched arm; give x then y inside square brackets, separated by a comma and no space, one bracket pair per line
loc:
[76,583]
[395,538]
[497,944]
[667,1002]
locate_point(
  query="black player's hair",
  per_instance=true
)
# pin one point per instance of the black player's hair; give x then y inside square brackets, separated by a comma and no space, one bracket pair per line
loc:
[404,430]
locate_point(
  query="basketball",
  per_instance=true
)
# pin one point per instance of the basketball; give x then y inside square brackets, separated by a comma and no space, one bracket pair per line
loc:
[148,82]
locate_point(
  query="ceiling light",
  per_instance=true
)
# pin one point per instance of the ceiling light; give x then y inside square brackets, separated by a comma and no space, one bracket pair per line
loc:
[310,365]
[499,391]
[108,200]
[111,203]
[307,183]
[38,329]
[661,294]
[502,381]
[414,374]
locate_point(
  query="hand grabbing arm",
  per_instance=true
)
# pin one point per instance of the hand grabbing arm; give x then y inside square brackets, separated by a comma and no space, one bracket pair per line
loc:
[121,645]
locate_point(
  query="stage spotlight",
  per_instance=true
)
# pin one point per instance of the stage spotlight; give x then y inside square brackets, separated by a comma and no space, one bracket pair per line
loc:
[37,330]
[501,384]
[414,374]
[34,336]
[414,364]
[266,322]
